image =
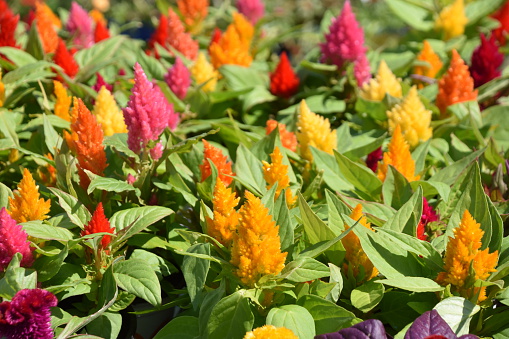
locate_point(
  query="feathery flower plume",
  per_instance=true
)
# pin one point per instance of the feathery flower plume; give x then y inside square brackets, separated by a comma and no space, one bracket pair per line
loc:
[314,130]
[253,10]
[384,83]
[80,26]
[147,114]
[434,63]
[63,103]
[216,36]
[226,218]
[464,251]
[452,20]
[8,24]
[13,239]
[97,16]
[502,15]
[486,61]
[179,39]
[224,167]
[413,118]
[256,249]
[27,205]
[193,11]
[88,136]
[288,139]
[284,82]
[101,5]
[428,215]
[270,332]
[160,36]
[277,173]
[244,29]
[2,90]
[356,258]
[49,13]
[100,82]
[99,224]
[108,114]
[64,59]
[178,79]
[46,27]
[399,157]
[48,173]
[204,73]
[362,70]
[456,85]
[101,32]
[28,315]
[373,158]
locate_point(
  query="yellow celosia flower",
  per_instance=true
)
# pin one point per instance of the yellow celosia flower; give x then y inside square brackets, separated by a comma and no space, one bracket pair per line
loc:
[314,130]
[108,114]
[463,251]
[452,20]
[244,29]
[399,157]
[226,218]
[270,332]
[355,256]
[2,90]
[26,204]
[256,249]
[203,73]
[434,63]
[413,118]
[277,172]
[63,103]
[385,82]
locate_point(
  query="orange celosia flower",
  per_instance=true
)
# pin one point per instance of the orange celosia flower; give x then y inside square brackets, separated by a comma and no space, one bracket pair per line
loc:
[434,63]
[270,332]
[224,167]
[456,85]
[256,249]
[463,251]
[226,218]
[63,103]
[356,258]
[277,172]
[179,39]
[2,90]
[27,204]
[89,142]
[42,6]
[288,139]
[314,130]
[45,19]
[97,16]
[244,28]
[399,157]
[48,173]
[193,11]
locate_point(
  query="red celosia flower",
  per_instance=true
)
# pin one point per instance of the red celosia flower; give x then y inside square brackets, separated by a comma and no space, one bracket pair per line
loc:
[216,36]
[8,24]
[373,159]
[284,82]
[486,61]
[101,32]
[428,215]
[64,59]
[99,224]
[159,36]
[288,139]
[100,82]
[224,167]
[502,15]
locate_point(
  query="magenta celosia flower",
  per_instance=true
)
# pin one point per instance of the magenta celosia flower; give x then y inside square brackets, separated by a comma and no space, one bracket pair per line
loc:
[361,70]
[147,114]
[13,239]
[428,213]
[253,10]
[27,315]
[178,79]
[486,61]
[80,25]
[373,158]
[100,82]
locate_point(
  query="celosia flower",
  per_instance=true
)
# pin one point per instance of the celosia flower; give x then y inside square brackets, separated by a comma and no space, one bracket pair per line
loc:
[179,39]
[373,158]
[108,114]
[253,10]
[244,28]
[49,13]
[99,224]
[64,59]
[178,79]
[362,70]
[80,26]
[502,15]
[160,36]
[28,315]
[101,32]
[463,252]
[277,173]
[224,167]
[456,85]
[193,11]
[356,258]
[399,157]
[314,130]
[8,24]
[216,36]
[256,249]
[284,82]
[97,16]
[13,239]
[89,143]
[101,5]
[434,63]
[452,20]
[288,139]
[100,82]
[486,61]
[27,205]
[226,218]
[204,73]
[2,90]
[413,118]
[428,215]
[45,27]
[147,114]
[48,173]
[270,332]
[63,102]
[384,83]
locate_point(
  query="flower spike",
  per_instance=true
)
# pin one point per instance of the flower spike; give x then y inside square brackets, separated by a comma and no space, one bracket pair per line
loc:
[178,79]
[226,218]
[253,10]
[452,20]
[384,83]
[13,239]
[108,114]
[224,167]
[101,32]
[179,39]
[277,173]
[63,103]
[99,224]
[80,26]
[193,11]
[204,73]
[284,82]
[27,204]
[270,332]
[45,27]
[486,61]
[288,139]
[434,63]
[64,59]
[8,22]
[502,15]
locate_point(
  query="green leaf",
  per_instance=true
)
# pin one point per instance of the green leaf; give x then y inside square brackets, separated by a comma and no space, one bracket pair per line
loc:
[432,188]
[135,220]
[366,183]
[184,327]
[411,14]
[75,210]
[195,269]
[419,155]
[336,207]
[335,277]
[457,313]
[17,56]
[408,216]
[375,109]
[396,189]
[477,10]
[239,78]
[136,277]
[38,229]
[281,215]
[107,325]
[304,269]
[367,296]
[5,193]
[28,73]
[449,174]
[118,141]
[294,317]
[249,169]
[331,174]
[210,300]
[110,185]
[320,104]
[48,267]
[16,278]
[412,284]
[231,317]
[51,137]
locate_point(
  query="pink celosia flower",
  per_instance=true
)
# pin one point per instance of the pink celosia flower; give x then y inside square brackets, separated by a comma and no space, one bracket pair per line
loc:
[147,113]
[80,25]
[486,61]
[253,10]
[428,215]
[100,82]
[27,315]
[361,70]
[178,79]
[13,239]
